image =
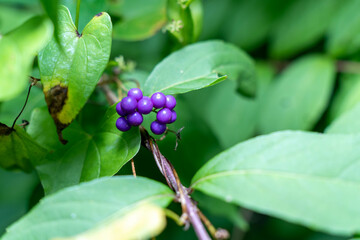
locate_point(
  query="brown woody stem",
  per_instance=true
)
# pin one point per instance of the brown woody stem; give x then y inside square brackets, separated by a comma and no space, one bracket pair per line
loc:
[190,210]
[342,66]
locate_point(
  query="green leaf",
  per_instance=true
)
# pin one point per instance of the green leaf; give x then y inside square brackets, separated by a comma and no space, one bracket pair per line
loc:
[347,96]
[298,97]
[137,23]
[265,74]
[41,120]
[214,14]
[303,25]
[197,14]
[237,121]
[16,189]
[343,36]
[17,149]
[230,116]
[143,222]
[347,122]
[51,8]
[197,66]
[70,70]
[17,51]
[12,17]
[252,20]
[88,8]
[87,206]
[287,175]
[86,156]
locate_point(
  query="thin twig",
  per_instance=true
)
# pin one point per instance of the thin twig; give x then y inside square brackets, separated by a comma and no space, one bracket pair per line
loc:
[177,219]
[342,66]
[215,233]
[24,123]
[133,167]
[207,223]
[33,82]
[104,80]
[110,96]
[348,66]
[133,80]
[120,84]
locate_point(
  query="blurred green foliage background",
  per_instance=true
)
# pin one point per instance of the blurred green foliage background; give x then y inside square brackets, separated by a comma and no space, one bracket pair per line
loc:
[308,74]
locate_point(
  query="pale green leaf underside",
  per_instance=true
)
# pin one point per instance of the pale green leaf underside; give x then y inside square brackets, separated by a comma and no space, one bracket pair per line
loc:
[83,207]
[138,23]
[78,62]
[143,222]
[17,51]
[299,96]
[306,178]
[84,157]
[197,66]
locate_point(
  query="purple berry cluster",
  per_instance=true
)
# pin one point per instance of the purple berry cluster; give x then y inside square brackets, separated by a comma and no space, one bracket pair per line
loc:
[132,108]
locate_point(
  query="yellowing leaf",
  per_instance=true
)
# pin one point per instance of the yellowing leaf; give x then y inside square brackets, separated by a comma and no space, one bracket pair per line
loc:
[143,222]
[70,70]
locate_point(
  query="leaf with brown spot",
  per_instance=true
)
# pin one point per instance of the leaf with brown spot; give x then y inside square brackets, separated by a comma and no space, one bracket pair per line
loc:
[18,149]
[71,68]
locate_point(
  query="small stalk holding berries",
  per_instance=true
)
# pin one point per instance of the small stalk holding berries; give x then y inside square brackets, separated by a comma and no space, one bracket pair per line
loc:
[131,110]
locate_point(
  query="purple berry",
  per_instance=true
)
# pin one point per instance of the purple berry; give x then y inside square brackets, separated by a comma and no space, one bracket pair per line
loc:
[128,104]
[122,124]
[158,128]
[158,99]
[170,102]
[135,93]
[135,119]
[173,116]
[164,115]
[119,110]
[145,105]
